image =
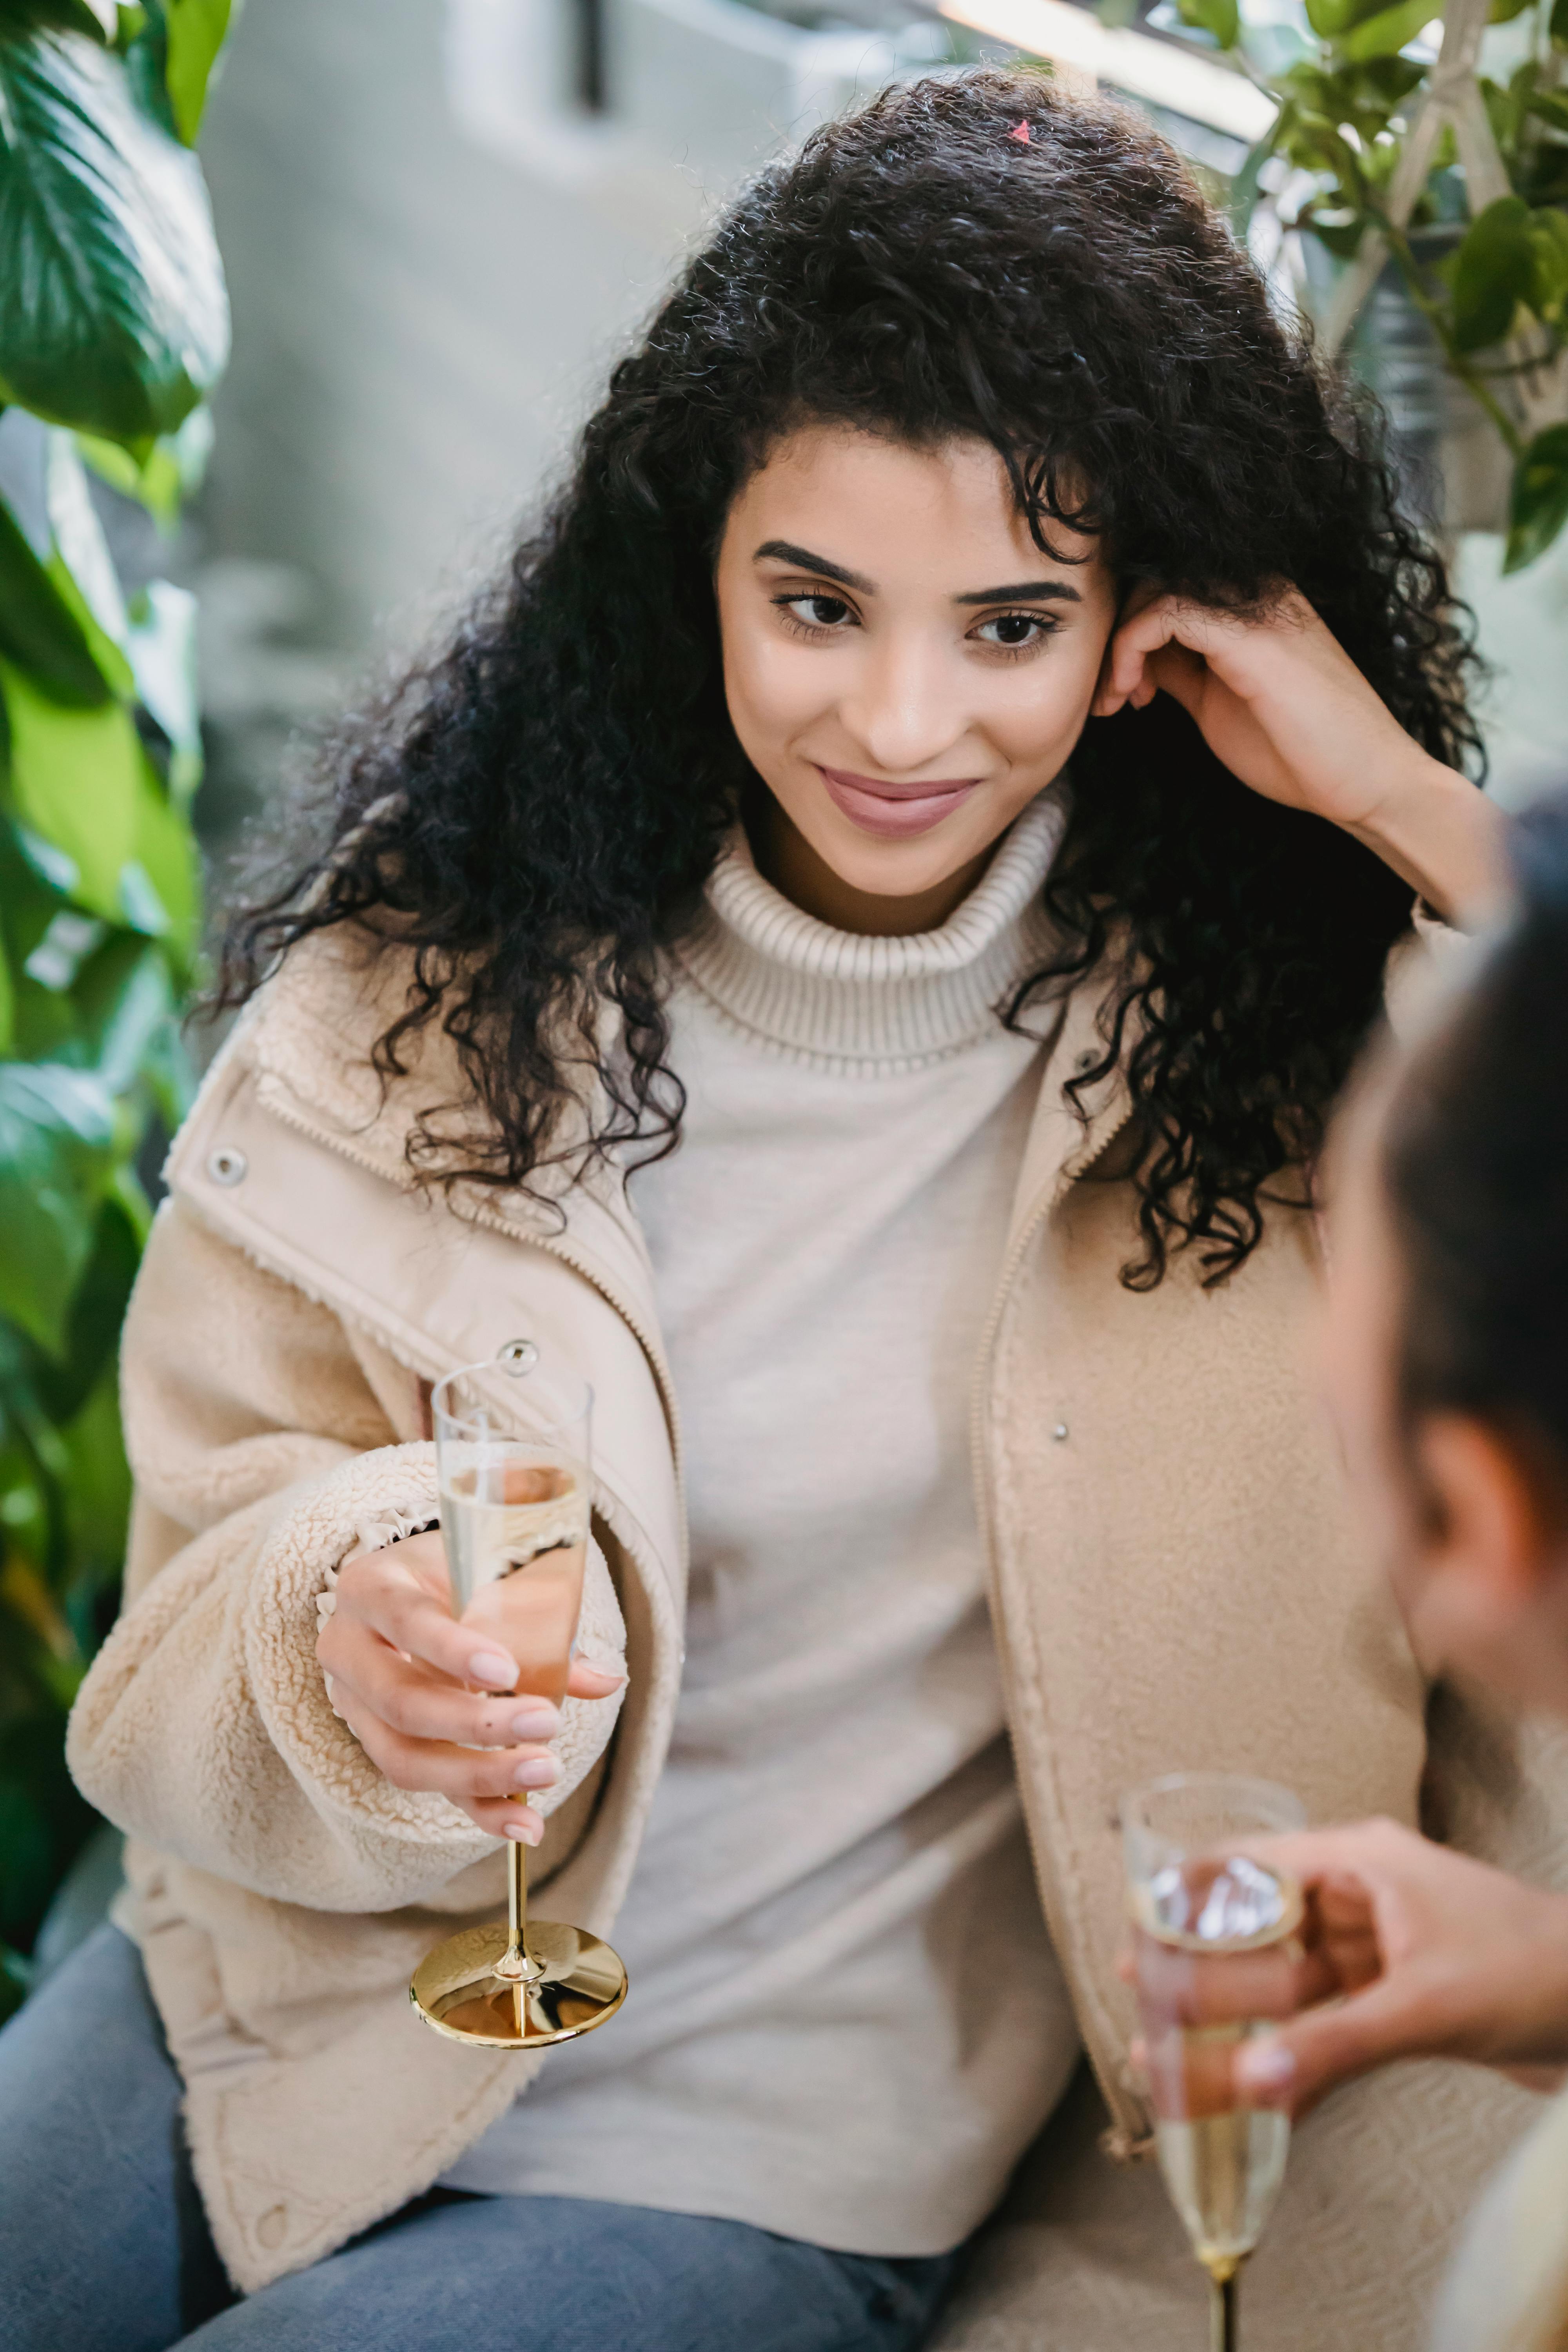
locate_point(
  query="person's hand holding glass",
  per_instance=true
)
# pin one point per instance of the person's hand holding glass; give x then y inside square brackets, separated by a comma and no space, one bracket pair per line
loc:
[449,1657]
[1213,1959]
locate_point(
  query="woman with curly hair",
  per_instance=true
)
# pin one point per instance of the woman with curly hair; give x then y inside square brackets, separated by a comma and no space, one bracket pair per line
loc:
[852,947]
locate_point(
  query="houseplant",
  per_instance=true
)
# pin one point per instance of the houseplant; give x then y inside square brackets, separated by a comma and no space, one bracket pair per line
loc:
[113,329]
[1382,138]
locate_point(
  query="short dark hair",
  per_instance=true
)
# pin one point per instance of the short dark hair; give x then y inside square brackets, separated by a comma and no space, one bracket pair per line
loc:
[1473,1148]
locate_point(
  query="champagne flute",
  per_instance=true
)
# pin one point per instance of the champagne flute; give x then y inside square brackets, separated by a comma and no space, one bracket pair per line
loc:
[512,1469]
[1210,1929]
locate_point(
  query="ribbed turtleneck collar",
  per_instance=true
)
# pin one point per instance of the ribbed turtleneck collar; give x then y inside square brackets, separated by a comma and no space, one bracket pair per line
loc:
[837,998]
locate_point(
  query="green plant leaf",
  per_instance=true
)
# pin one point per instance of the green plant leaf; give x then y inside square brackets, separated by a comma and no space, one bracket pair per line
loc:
[99,19]
[1245,190]
[1383,34]
[162,643]
[172,58]
[1492,273]
[98,1483]
[75,780]
[1503,12]
[124,1003]
[113,317]
[81,782]
[1387,79]
[57,1139]
[39,628]
[1559,23]
[1548,290]
[196,32]
[97,1311]
[1550,106]
[171,471]
[1539,503]
[1220,18]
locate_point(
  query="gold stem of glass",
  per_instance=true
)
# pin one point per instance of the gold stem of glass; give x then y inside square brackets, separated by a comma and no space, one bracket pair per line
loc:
[1224,2281]
[517,1962]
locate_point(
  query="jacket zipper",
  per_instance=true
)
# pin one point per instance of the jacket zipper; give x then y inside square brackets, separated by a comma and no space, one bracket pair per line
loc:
[1128,2126]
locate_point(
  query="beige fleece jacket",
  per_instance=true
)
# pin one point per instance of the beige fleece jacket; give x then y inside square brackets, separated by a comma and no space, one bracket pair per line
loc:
[1174,1580]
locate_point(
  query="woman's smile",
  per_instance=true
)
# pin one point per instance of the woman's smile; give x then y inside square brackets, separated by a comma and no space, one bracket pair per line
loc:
[905,668]
[895,811]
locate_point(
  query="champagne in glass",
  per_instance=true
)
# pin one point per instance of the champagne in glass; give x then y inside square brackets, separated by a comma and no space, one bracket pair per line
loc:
[512,1469]
[516,1535]
[1214,1936]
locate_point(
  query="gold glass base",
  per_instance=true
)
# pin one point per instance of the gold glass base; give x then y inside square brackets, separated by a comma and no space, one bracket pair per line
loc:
[571,1982]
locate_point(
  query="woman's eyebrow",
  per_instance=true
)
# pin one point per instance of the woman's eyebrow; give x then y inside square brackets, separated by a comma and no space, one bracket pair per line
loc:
[782,551]
[1019,591]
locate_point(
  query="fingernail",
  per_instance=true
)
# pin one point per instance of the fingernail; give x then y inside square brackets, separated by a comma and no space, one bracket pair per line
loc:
[524,1833]
[536,1772]
[493,1666]
[1266,2067]
[539,1721]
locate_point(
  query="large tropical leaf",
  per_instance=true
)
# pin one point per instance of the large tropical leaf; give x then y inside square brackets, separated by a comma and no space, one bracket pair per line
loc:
[1494,271]
[81,782]
[41,628]
[98,19]
[1383,34]
[1540,505]
[171,60]
[112,312]
[57,1159]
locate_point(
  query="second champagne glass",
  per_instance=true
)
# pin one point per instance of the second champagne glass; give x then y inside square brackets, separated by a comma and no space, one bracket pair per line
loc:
[513,1470]
[1204,1915]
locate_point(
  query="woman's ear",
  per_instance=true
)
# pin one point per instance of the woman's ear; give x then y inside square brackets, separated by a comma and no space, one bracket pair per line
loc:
[1494,1550]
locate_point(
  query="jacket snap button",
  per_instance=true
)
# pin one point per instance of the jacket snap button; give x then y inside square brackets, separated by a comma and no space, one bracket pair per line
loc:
[272,2225]
[226,1166]
[1059,1432]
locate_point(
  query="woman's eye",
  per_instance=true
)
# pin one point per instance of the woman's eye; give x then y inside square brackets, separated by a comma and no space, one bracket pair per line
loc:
[819,611]
[1014,630]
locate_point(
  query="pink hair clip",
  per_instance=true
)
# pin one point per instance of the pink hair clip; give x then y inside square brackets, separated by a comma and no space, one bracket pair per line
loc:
[1020,132]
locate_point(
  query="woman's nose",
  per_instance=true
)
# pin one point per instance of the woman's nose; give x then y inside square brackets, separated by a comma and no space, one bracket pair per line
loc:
[904,710]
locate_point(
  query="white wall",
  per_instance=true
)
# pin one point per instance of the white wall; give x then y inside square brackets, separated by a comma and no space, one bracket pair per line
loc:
[417,324]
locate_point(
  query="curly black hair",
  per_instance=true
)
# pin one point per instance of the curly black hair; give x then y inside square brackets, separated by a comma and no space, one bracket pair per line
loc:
[532,813]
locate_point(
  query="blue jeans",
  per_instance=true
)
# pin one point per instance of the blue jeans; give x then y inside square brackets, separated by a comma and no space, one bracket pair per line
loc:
[104,2246]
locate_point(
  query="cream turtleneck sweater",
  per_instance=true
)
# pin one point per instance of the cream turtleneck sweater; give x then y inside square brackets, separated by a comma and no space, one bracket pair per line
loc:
[845,2021]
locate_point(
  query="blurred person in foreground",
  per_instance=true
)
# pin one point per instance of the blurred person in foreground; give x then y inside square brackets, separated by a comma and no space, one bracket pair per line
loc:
[1447,1355]
[958,1463]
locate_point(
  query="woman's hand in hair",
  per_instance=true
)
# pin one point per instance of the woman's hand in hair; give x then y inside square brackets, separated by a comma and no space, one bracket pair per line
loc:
[1421,1952]
[403,1670]
[1287,711]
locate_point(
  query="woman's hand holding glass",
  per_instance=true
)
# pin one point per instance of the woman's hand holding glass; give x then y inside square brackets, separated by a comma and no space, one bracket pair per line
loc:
[1281,702]
[433,1706]
[1421,1953]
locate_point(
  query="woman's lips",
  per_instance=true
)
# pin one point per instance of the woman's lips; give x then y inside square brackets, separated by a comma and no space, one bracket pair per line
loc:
[894,811]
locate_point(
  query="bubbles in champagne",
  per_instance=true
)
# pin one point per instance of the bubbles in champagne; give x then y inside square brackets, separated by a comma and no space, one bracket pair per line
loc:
[1235,1903]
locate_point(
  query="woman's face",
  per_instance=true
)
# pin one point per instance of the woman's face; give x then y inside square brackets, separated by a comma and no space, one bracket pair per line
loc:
[1476,1553]
[904,669]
